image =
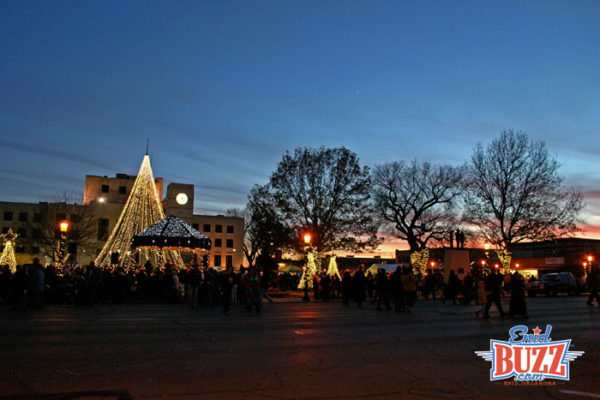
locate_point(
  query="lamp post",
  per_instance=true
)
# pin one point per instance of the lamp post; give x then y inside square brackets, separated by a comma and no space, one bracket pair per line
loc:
[62,244]
[307,238]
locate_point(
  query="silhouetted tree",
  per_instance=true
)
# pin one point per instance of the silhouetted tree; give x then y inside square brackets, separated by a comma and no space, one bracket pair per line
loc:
[515,192]
[325,192]
[45,233]
[264,233]
[418,200]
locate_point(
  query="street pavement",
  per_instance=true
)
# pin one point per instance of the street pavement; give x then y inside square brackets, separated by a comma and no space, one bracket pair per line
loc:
[293,350]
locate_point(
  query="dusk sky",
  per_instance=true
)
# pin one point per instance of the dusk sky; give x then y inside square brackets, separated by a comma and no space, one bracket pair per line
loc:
[224,88]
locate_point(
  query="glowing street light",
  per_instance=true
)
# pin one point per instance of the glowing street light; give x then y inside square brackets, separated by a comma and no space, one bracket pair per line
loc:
[307,238]
[64,226]
[486,246]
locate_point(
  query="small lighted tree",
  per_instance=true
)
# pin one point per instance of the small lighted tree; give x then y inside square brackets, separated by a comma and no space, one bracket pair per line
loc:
[8,254]
[419,260]
[332,268]
[310,269]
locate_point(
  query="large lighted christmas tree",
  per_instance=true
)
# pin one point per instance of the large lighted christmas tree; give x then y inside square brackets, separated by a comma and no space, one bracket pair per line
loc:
[142,209]
[8,254]
[310,269]
[332,268]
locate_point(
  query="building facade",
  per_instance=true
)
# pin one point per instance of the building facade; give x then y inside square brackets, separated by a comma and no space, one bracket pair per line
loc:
[91,223]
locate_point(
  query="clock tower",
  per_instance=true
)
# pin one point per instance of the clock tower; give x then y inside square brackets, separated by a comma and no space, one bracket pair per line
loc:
[180,201]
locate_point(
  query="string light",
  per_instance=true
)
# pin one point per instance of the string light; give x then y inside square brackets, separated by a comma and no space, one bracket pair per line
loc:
[8,254]
[142,209]
[310,269]
[332,268]
[505,258]
[419,259]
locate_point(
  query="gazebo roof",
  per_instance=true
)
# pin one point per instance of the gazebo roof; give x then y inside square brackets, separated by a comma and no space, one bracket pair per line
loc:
[172,233]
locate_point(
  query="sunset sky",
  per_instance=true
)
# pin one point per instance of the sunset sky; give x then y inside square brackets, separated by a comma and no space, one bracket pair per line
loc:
[224,88]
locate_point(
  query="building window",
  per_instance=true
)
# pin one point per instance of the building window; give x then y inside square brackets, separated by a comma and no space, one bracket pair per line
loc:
[218,243]
[217,260]
[229,261]
[196,227]
[104,189]
[102,229]
[23,216]
[22,232]
[8,215]
[206,228]
[61,217]
[35,250]
[20,249]
[37,217]
[75,218]
[219,228]
[229,243]
[36,233]
[229,228]
[122,190]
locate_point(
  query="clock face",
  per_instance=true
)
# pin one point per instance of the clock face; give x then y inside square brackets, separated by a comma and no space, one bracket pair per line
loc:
[181,199]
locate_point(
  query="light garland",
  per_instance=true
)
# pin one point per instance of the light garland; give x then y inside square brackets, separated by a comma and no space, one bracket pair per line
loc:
[505,258]
[142,209]
[8,254]
[309,270]
[419,259]
[332,269]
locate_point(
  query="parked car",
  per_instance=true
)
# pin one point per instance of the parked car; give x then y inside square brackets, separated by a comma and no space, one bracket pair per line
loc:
[554,283]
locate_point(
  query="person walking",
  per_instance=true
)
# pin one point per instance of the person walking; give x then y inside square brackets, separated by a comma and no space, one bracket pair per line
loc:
[252,285]
[493,288]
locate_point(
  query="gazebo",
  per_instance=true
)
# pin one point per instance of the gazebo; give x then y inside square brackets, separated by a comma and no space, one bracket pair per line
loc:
[172,233]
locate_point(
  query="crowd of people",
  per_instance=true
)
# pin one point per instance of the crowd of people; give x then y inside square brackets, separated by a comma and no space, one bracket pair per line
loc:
[33,285]
[30,286]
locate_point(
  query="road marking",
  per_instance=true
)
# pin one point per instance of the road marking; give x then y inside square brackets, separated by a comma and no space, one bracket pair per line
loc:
[584,394]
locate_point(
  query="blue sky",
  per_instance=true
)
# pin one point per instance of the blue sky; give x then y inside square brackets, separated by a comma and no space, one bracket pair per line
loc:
[224,88]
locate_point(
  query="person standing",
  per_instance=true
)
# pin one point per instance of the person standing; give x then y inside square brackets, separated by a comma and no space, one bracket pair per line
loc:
[346,288]
[517,305]
[593,284]
[360,283]
[226,284]
[381,289]
[409,285]
[37,284]
[481,297]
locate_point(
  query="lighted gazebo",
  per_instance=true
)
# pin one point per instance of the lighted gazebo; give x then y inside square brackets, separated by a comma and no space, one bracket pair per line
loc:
[172,233]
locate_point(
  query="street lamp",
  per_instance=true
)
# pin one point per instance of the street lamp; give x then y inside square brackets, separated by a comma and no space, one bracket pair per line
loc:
[62,244]
[307,238]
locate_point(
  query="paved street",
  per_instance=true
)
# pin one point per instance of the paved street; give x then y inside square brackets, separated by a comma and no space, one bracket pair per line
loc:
[291,351]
